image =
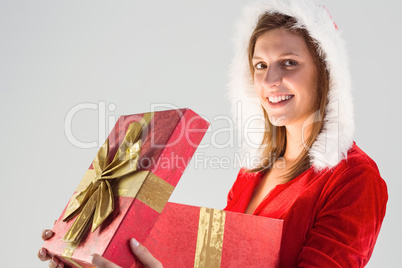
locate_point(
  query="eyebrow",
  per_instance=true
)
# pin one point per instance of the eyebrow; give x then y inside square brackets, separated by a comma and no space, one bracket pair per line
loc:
[282,55]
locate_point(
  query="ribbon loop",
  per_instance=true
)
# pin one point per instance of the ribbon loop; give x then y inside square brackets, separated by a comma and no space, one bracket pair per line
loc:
[96,201]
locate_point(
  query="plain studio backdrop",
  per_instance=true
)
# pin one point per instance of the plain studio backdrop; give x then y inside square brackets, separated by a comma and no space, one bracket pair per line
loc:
[70,68]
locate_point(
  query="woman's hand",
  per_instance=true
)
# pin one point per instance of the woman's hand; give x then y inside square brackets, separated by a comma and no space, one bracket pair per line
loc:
[43,256]
[139,250]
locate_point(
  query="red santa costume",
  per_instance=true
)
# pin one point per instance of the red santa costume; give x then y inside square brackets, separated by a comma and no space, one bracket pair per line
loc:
[333,211]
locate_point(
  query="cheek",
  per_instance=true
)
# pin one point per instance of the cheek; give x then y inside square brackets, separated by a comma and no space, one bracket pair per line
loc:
[257,89]
[313,92]
[307,84]
[310,103]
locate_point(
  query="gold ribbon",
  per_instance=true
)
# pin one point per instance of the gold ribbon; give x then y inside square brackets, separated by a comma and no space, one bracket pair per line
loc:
[96,201]
[211,226]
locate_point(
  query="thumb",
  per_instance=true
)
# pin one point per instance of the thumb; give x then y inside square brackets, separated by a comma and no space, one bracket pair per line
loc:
[101,262]
[144,255]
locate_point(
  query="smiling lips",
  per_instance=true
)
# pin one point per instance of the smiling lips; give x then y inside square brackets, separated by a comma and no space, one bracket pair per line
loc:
[278,99]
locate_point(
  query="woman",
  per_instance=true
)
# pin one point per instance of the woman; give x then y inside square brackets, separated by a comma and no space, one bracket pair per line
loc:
[291,70]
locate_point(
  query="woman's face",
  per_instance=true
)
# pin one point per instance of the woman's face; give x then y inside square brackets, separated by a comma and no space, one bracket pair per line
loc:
[284,77]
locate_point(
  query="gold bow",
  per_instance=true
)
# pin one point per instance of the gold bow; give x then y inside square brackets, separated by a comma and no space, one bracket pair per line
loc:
[96,200]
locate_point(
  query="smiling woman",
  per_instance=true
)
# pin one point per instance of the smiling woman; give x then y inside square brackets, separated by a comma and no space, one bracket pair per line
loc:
[286,87]
[327,190]
[291,70]
[292,82]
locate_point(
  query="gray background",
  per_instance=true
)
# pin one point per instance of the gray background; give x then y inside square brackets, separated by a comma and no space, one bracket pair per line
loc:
[129,55]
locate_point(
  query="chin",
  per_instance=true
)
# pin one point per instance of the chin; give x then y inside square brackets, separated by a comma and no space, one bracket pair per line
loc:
[276,124]
[278,121]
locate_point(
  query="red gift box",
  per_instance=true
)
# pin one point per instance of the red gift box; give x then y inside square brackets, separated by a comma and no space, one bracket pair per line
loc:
[189,236]
[164,144]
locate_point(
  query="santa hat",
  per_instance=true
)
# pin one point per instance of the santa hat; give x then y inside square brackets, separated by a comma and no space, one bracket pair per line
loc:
[336,138]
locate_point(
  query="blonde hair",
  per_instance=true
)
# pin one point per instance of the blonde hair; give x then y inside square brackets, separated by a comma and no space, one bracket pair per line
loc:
[274,141]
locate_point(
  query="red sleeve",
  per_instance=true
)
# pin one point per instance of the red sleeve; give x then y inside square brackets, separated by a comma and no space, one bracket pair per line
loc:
[239,194]
[348,221]
[235,187]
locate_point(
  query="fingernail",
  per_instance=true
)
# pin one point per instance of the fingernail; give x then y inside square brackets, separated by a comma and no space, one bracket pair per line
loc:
[92,258]
[48,232]
[41,252]
[134,243]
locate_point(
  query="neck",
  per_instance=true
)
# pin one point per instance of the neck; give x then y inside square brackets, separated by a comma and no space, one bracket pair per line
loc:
[296,138]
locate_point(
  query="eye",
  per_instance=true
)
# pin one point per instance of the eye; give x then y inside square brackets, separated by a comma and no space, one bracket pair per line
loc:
[260,66]
[290,63]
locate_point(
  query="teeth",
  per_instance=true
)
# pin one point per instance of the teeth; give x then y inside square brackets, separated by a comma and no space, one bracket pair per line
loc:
[276,99]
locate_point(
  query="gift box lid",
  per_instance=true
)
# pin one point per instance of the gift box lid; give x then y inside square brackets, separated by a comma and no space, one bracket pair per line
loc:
[162,144]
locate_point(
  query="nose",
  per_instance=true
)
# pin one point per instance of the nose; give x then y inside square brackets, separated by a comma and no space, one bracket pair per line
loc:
[272,77]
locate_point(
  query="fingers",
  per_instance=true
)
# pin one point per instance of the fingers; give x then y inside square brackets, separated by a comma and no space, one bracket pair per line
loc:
[101,262]
[53,263]
[144,255]
[46,234]
[42,255]
[56,263]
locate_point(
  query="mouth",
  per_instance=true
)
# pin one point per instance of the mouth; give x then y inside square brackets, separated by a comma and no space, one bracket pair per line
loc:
[279,99]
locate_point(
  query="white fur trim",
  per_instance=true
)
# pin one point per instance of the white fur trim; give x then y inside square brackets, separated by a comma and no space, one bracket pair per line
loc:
[336,138]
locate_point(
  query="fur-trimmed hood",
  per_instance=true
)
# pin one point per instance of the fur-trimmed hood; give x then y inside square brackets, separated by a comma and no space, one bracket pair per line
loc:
[336,138]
